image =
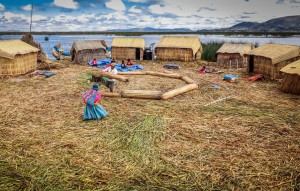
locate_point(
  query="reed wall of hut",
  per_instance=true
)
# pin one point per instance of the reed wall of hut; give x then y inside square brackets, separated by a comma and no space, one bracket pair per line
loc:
[84,56]
[263,65]
[20,64]
[232,60]
[176,54]
[290,83]
[124,53]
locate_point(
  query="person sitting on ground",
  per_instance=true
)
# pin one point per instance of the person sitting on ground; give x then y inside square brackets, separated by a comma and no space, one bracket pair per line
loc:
[93,110]
[129,63]
[123,64]
[202,70]
[110,83]
[94,62]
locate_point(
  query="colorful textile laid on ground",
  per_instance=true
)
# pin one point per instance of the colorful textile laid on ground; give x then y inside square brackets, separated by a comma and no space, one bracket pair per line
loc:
[172,66]
[104,63]
[92,109]
[230,78]
[213,71]
[45,73]
[256,77]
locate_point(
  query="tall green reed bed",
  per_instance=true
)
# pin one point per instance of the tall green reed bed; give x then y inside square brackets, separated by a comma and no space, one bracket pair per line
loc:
[210,49]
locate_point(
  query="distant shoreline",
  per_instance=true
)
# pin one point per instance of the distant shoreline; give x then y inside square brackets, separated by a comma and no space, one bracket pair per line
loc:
[282,34]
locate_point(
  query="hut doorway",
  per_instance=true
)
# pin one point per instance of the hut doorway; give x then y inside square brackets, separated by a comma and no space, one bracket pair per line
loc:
[137,54]
[73,56]
[251,64]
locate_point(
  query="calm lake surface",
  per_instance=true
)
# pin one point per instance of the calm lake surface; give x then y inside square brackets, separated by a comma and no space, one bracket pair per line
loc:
[67,40]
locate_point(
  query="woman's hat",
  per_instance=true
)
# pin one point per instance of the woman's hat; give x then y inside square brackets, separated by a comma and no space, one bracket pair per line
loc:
[95,87]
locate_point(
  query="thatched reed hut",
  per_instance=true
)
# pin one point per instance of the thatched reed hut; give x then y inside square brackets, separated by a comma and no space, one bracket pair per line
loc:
[233,55]
[291,78]
[17,57]
[127,48]
[181,48]
[268,59]
[83,51]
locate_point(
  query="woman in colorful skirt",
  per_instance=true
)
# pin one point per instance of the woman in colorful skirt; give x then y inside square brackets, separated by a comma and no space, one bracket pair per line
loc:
[93,109]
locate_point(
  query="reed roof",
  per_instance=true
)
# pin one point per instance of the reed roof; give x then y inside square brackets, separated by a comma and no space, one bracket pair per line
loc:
[128,42]
[293,68]
[276,52]
[190,42]
[10,48]
[87,45]
[235,48]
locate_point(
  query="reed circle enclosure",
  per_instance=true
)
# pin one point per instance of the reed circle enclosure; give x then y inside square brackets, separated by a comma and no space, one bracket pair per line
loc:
[149,94]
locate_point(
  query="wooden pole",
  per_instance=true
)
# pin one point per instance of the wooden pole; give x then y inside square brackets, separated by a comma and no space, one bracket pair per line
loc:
[179,91]
[188,80]
[109,75]
[132,73]
[31,18]
[178,76]
[144,94]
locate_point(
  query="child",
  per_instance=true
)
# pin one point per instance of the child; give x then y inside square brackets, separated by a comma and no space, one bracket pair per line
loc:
[123,64]
[129,63]
[202,70]
[94,62]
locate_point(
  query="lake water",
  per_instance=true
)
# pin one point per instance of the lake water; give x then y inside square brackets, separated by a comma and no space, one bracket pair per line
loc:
[67,40]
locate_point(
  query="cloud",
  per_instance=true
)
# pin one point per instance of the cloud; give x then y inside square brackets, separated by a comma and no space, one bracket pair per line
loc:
[68,4]
[193,14]
[205,8]
[92,5]
[249,13]
[116,5]
[26,7]
[15,17]
[135,10]
[2,7]
[144,1]
[182,8]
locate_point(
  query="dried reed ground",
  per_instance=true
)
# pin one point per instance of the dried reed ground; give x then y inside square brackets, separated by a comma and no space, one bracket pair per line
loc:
[249,141]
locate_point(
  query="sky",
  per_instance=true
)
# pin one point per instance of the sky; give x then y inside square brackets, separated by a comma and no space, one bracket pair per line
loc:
[101,15]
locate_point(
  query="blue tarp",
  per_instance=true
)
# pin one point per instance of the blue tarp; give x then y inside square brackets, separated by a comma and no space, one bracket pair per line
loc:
[64,53]
[131,68]
[103,63]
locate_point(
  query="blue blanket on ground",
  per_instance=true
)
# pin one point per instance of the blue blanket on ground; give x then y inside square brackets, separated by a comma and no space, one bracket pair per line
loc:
[103,63]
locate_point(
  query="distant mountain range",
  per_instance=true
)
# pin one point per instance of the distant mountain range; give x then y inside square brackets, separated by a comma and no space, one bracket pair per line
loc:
[150,29]
[282,24]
